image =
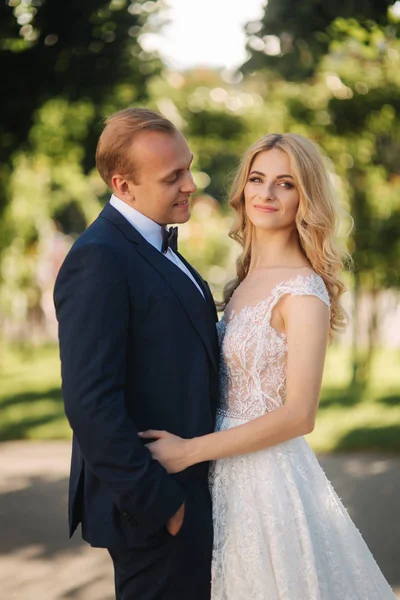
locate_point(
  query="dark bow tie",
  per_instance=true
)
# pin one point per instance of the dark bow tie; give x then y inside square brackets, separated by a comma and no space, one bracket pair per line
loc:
[170,239]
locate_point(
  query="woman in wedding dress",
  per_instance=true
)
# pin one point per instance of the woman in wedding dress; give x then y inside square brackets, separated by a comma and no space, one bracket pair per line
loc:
[280,530]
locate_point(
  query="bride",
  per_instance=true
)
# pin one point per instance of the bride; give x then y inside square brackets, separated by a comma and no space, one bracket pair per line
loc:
[280,530]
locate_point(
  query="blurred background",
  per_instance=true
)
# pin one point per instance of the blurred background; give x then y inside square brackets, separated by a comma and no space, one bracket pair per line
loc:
[225,72]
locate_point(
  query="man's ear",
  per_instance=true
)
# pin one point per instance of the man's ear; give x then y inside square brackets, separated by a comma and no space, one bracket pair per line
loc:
[123,188]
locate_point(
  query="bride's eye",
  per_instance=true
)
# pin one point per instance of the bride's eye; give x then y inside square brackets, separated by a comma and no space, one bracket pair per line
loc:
[254,179]
[287,185]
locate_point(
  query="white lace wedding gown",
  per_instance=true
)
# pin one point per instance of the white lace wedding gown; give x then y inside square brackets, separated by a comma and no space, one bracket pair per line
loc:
[281,532]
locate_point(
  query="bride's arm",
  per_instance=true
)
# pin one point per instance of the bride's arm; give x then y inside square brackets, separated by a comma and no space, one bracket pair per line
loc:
[306,320]
[307,326]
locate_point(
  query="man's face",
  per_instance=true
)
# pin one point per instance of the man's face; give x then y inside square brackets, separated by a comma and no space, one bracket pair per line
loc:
[161,182]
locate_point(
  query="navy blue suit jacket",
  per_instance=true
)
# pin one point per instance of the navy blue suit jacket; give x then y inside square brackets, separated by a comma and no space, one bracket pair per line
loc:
[138,350]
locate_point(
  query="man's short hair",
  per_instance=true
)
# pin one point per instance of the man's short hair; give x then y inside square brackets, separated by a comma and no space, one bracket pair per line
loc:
[112,153]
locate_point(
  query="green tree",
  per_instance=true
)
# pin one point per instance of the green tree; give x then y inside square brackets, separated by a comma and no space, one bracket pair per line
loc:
[292,37]
[75,50]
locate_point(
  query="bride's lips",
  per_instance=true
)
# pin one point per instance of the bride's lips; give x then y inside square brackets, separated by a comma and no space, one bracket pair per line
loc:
[266,209]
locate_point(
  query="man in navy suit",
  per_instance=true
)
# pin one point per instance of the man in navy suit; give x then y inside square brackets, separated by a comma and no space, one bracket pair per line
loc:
[139,350]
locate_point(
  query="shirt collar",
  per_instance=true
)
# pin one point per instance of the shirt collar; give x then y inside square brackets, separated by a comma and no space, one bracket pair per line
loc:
[151,231]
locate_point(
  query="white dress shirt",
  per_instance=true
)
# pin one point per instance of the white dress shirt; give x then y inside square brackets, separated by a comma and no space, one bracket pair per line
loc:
[152,233]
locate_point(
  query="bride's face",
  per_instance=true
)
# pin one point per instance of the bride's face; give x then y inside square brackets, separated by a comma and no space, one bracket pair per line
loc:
[271,198]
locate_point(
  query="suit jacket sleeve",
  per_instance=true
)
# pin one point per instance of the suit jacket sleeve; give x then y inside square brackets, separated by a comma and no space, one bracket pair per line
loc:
[92,305]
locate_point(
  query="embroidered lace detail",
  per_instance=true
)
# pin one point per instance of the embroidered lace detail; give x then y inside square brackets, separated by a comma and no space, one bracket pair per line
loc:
[282,533]
[253,353]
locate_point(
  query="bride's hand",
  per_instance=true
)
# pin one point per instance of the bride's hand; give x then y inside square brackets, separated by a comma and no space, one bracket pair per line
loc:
[168,449]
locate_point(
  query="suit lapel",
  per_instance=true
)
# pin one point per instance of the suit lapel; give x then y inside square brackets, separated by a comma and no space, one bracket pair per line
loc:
[111,214]
[188,295]
[203,285]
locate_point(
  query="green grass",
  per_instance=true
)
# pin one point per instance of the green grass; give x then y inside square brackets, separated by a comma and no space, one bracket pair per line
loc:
[359,419]
[31,405]
[348,419]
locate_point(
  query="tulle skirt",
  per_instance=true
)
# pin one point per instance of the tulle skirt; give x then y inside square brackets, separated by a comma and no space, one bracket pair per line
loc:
[282,533]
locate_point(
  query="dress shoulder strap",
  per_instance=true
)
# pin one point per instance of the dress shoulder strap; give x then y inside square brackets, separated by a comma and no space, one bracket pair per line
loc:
[301,285]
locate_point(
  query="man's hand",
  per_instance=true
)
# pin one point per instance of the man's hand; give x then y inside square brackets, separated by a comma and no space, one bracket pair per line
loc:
[175,523]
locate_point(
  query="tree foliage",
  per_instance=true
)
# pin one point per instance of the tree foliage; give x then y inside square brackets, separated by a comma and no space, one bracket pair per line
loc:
[74,50]
[292,37]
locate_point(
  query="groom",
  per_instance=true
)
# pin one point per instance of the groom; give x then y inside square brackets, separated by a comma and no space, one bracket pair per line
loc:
[139,350]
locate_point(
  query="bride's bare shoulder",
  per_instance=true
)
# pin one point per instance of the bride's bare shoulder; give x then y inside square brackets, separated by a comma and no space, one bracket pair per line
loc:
[287,274]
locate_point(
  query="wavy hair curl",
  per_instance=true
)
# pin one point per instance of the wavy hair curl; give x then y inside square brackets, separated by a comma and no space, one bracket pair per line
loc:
[317,217]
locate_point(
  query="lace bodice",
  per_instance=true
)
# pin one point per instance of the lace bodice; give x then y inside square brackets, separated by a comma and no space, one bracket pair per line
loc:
[253,353]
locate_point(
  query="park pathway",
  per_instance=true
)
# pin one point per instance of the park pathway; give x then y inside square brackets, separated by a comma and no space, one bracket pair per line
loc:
[37,561]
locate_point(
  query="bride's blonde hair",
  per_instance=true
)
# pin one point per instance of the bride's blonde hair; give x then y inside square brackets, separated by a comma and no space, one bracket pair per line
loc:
[316,219]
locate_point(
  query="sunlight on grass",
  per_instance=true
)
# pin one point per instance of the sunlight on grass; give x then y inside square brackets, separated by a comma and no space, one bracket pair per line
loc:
[366,419]
[31,404]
